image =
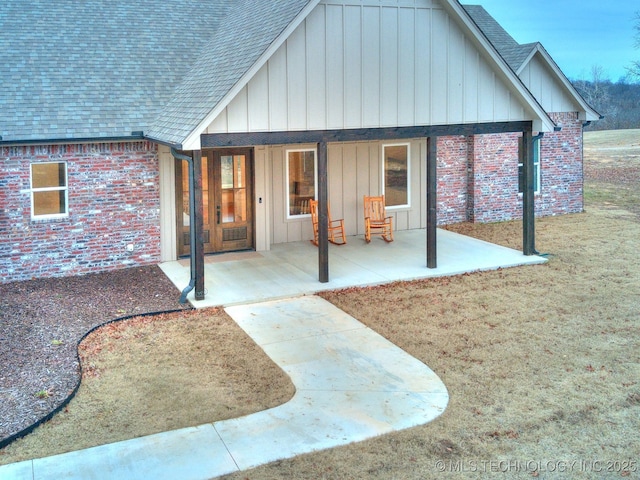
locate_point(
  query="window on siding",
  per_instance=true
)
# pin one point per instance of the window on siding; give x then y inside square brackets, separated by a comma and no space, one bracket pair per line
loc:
[536,168]
[396,175]
[49,193]
[302,182]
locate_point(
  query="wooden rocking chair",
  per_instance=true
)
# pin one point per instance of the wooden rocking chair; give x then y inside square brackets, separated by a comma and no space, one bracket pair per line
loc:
[375,221]
[336,227]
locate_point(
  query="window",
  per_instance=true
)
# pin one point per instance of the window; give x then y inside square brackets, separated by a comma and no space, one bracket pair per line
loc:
[536,168]
[49,190]
[396,175]
[301,178]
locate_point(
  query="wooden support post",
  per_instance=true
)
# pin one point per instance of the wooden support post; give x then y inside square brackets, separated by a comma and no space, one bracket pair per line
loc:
[528,195]
[198,254]
[432,206]
[323,214]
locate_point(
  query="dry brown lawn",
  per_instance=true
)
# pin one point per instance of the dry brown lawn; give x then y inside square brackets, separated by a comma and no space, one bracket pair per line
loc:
[542,363]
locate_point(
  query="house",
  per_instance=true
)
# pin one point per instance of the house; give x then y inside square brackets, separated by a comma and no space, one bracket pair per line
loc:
[134,133]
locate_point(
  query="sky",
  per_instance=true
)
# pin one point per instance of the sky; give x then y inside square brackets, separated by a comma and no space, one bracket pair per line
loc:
[578,34]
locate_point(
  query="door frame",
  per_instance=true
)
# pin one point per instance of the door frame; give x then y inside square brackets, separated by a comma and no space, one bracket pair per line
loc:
[182,232]
[229,244]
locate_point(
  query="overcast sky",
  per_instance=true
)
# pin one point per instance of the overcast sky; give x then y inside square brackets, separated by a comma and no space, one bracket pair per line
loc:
[578,34]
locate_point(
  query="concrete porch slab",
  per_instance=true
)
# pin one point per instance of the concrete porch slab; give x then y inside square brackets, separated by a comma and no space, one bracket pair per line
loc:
[291,269]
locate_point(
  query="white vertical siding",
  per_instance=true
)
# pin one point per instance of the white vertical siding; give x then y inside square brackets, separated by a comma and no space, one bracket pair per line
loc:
[278,88]
[334,69]
[297,79]
[355,170]
[353,67]
[168,230]
[389,74]
[373,64]
[316,78]
[238,113]
[262,200]
[543,85]
[406,54]
[423,67]
[370,60]
[259,101]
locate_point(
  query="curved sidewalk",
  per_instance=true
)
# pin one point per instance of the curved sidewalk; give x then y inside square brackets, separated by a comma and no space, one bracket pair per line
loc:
[351,384]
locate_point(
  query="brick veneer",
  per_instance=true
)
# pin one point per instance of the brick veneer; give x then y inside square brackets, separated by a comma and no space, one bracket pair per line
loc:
[478,176]
[113,203]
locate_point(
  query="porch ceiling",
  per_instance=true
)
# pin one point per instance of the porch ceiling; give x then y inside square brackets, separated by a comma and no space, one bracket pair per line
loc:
[291,269]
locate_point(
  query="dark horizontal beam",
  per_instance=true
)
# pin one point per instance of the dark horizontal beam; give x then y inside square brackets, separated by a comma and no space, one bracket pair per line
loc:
[213,140]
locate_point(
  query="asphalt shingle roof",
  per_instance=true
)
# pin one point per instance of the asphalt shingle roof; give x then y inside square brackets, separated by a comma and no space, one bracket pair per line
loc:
[95,68]
[106,68]
[511,51]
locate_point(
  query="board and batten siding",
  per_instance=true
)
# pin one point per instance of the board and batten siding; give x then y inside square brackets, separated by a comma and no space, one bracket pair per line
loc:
[372,64]
[552,96]
[354,170]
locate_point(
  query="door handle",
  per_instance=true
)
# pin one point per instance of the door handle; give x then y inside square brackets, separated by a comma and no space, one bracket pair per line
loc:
[218,214]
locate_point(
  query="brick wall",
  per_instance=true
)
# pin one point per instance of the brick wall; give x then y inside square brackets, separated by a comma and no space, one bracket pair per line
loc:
[113,203]
[493,182]
[562,168]
[452,179]
[492,174]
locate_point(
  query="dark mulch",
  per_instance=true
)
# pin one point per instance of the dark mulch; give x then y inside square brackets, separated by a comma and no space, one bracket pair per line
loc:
[41,323]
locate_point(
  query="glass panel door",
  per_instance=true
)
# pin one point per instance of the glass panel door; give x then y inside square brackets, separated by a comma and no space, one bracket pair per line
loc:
[227,192]
[182,191]
[234,209]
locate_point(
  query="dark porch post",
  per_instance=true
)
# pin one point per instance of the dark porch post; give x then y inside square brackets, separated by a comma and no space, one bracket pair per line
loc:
[323,214]
[432,188]
[198,253]
[528,195]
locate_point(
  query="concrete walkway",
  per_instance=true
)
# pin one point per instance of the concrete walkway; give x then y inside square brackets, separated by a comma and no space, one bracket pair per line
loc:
[351,384]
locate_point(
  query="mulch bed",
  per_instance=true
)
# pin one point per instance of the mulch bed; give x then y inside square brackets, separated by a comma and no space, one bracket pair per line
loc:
[41,323]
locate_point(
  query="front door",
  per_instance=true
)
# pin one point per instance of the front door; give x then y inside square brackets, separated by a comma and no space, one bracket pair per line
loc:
[227,195]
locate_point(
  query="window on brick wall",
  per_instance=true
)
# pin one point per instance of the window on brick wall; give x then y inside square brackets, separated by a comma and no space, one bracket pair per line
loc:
[536,168]
[396,175]
[49,193]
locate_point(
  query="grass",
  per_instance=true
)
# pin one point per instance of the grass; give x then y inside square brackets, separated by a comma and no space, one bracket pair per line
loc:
[542,363]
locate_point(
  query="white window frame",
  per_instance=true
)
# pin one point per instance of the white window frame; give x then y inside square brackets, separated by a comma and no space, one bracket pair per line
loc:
[384,176]
[536,168]
[288,215]
[64,188]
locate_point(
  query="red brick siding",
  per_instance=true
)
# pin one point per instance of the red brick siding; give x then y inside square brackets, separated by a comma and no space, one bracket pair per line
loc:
[494,182]
[452,179]
[478,176]
[562,168]
[113,202]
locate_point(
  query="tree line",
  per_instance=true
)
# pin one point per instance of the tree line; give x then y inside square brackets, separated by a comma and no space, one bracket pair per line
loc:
[619,102]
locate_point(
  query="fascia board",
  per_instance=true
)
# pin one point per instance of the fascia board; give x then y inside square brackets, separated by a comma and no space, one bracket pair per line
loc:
[542,122]
[192,142]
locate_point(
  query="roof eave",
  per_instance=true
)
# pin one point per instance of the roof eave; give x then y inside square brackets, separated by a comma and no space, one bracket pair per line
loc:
[136,136]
